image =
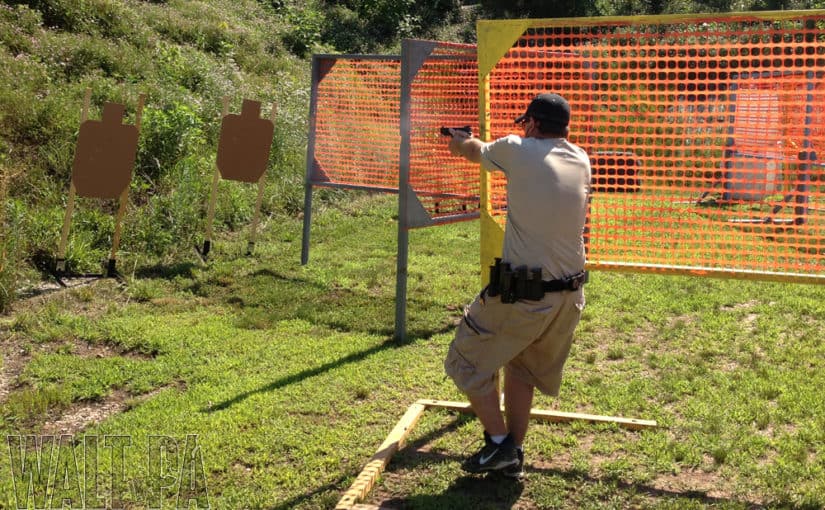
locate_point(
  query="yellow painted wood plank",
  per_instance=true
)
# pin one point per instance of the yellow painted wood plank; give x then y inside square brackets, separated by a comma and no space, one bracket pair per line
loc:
[394,442]
[552,416]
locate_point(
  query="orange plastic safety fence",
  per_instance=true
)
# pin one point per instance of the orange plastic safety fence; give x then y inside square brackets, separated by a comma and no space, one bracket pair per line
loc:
[444,93]
[704,137]
[356,135]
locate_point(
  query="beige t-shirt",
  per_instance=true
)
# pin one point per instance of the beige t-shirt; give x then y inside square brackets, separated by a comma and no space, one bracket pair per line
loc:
[548,182]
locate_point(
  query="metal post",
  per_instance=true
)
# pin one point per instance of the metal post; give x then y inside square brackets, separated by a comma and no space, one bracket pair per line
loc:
[313,112]
[403,195]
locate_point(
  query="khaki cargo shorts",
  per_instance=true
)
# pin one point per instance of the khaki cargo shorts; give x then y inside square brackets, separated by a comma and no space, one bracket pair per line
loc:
[532,338]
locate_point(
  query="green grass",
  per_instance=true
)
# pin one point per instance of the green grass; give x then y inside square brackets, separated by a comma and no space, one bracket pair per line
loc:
[289,376]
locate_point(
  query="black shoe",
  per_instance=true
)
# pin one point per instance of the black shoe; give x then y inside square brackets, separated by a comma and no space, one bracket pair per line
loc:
[493,457]
[516,471]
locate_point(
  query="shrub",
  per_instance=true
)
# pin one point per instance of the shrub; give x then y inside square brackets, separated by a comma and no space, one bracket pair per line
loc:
[305,32]
[200,25]
[366,25]
[193,70]
[235,204]
[18,25]
[70,15]
[114,20]
[167,135]
[172,218]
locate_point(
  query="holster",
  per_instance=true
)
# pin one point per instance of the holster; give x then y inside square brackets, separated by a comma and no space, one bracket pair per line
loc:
[521,283]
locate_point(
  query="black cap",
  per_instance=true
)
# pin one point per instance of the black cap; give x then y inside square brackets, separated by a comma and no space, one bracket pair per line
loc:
[551,110]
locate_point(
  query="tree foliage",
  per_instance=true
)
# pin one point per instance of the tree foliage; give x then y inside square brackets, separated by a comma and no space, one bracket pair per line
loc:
[573,8]
[360,26]
[365,25]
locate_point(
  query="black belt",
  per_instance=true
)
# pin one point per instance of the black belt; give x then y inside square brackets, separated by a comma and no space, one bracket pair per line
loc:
[519,283]
[572,283]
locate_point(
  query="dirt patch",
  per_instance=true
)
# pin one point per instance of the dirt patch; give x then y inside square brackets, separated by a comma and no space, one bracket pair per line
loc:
[52,286]
[17,353]
[90,297]
[87,297]
[14,359]
[708,485]
[82,415]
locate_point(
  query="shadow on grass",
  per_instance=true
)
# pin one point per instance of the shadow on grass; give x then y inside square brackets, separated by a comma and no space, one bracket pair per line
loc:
[332,487]
[470,492]
[578,477]
[310,372]
[496,491]
[279,296]
[167,271]
[492,491]
[408,451]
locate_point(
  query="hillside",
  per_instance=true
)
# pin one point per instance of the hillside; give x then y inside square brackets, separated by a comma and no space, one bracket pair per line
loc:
[185,56]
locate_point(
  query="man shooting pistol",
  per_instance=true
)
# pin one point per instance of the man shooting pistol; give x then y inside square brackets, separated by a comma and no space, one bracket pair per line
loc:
[525,319]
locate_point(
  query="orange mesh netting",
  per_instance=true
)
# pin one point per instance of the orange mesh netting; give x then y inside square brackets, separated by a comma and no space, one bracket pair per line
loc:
[703,134]
[444,92]
[356,117]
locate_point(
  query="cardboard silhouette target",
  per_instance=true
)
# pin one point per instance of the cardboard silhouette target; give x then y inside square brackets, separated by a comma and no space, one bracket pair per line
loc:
[245,143]
[243,154]
[104,158]
[105,154]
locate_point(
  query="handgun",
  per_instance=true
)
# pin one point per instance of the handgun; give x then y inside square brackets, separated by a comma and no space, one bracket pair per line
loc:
[446,130]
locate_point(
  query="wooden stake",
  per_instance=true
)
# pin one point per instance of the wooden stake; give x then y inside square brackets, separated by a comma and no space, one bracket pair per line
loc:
[213,194]
[256,218]
[60,266]
[124,202]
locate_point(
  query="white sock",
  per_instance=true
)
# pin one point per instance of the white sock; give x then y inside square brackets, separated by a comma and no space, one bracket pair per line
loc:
[498,438]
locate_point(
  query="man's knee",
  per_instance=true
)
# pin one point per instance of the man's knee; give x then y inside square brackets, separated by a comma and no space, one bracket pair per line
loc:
[467,377]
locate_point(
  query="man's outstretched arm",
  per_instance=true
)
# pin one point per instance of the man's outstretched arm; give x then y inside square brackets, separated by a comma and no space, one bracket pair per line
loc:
[463,144]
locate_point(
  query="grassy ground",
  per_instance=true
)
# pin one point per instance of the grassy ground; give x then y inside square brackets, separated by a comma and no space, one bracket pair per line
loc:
[289,378]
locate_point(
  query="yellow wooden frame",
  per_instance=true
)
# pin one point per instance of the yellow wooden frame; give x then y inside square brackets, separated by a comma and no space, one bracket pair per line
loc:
[397,439]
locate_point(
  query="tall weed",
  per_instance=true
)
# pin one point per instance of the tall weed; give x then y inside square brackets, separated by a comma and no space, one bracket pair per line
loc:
[167,135]
[8,243]
[171,222]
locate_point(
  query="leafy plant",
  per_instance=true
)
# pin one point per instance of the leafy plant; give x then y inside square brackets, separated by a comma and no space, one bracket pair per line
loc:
[167,136]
